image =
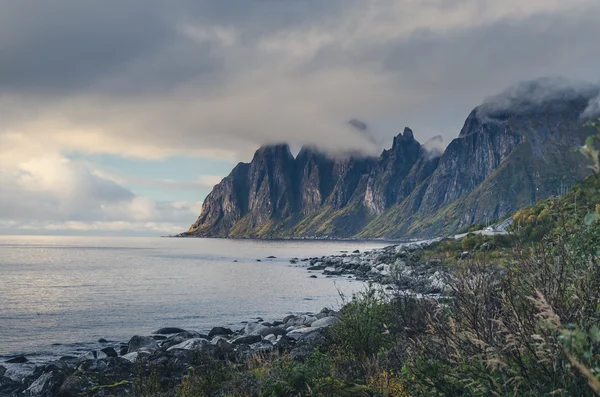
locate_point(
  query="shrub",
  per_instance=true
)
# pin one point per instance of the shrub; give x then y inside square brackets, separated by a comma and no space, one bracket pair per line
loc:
[363,330]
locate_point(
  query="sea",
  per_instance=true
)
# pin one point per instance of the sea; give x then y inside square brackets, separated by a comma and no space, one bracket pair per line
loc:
[60,294]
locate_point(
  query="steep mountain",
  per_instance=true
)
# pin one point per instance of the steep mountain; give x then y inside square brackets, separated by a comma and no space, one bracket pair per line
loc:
[386,179]
[315,179]
[503,159]
[513,150]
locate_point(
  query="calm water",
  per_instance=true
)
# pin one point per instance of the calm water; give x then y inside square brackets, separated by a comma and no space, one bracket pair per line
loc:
[74,290]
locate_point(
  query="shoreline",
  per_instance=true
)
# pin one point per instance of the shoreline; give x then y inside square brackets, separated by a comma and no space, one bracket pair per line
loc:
[372,266]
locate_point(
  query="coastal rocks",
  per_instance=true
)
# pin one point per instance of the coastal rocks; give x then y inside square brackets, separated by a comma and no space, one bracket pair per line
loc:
[191,344]
[47,385]
[300,333]
[181,337]
[246,340]
[168,331]
[398,265]
[110,352]
[220,331]
[93,355]
[325,322]
[111,376]
[305,320]
[17,360]
[138,342]
[254,329]
[100,373]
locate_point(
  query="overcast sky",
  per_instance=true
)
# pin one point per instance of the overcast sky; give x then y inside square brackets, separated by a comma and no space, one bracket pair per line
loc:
[118,116]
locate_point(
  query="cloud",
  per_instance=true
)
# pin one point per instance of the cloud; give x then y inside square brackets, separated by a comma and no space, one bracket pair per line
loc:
[531,94]
[152,79]
[593,109]
[220,78]
[435,146]
[53,193]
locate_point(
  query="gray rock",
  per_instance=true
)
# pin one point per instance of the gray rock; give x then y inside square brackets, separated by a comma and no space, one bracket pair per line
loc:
[271,338]
[181,337]
[254,329]
[300,333]
[306,320]
[220,331]
[47,385]
[134,356]
[271,331]
[137,342]
[92,355]
[17,360]
[325,322]
[110,352]
[246,340]
[168,331]
[191,344]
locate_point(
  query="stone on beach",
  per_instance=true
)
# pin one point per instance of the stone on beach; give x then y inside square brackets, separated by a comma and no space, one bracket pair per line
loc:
[220,331]
[325,322]
[191,344]
[168,331]
[137,342]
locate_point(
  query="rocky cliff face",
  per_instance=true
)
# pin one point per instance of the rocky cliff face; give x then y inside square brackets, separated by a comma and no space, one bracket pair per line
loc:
[385,185]
[508,154]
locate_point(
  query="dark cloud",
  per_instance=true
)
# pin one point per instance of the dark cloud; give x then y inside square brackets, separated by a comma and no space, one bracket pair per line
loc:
[151,78]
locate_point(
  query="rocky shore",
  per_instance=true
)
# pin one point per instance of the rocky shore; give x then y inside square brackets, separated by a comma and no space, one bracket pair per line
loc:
[114,368]
[400,265]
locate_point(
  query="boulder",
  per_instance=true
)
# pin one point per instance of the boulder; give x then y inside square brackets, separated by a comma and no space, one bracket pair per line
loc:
[306,320]
[47,385]
[169,331]
[191,344]
[92,355]
[137,342]
[2,371]
[102,340]
[133,356]
[262,346]
[271,331]
[300,333]
[110,352]
[74,385]
[325,322]
[246,340]
[220,331]
[271,338]
[17,360]
[181,337]
[254,329]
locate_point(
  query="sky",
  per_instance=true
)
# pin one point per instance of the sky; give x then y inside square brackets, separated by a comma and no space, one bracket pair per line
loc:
[118,116]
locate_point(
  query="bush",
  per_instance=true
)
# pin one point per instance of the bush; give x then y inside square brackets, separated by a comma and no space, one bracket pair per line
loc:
[364,327]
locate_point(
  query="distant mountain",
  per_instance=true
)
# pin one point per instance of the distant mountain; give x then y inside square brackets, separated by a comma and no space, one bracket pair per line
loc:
[511,151]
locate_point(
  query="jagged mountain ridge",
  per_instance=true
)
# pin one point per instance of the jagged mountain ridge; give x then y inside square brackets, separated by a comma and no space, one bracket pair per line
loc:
[504,158]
